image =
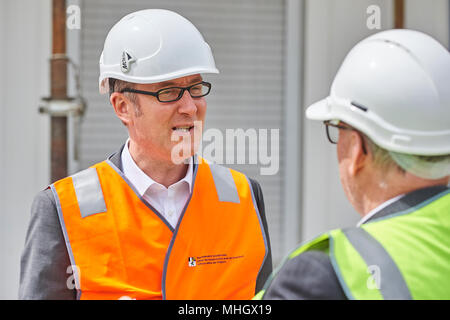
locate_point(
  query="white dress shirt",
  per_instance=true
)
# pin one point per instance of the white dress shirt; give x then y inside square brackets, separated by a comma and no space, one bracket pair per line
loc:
[170,201]
[372,212]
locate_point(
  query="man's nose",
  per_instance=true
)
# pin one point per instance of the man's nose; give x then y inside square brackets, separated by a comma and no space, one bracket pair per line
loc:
[187,104]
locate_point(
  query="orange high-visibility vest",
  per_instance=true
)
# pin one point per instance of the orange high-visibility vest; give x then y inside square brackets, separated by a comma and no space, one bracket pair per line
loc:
[120,247]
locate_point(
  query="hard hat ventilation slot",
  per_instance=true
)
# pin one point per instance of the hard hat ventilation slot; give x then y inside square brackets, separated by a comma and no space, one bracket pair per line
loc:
[359,106]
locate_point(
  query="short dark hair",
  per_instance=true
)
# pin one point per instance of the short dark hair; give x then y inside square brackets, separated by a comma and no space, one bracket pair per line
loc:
[116,85]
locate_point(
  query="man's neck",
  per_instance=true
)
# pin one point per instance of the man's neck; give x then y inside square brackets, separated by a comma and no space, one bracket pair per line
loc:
[391,186]
[162,171]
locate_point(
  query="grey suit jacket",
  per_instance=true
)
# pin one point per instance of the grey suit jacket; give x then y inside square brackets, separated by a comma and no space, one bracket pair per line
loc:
[45,272]
[311,276]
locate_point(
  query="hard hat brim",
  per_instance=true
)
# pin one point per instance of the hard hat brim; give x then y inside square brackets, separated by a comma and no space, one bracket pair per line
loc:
[104,85]
[319,110]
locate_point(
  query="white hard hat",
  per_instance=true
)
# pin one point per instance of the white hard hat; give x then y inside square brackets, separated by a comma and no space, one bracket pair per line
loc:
[153,45]
[394,87]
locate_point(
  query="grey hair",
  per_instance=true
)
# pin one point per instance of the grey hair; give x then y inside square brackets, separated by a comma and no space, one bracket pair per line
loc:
[381,157]
[385,159]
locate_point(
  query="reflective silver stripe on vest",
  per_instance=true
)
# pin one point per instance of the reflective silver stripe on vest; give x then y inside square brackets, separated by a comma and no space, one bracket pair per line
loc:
[66,238]
[392,283]
[224,182]
[89,192]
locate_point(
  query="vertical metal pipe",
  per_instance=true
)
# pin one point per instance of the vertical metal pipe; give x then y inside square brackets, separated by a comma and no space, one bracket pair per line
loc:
[293,115]
[399,14]
[58,85]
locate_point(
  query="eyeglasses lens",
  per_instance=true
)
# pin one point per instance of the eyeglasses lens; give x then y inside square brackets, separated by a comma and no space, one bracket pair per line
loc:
[172,94]
[333,134]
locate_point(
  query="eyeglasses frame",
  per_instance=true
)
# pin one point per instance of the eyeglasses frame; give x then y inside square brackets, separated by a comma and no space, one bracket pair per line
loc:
[156,93]
[328,123]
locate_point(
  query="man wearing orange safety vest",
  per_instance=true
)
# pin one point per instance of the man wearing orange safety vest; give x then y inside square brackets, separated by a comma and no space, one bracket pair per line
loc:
[154,220]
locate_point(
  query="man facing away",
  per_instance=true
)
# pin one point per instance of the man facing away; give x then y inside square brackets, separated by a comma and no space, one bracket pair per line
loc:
[153,221]
[389,114]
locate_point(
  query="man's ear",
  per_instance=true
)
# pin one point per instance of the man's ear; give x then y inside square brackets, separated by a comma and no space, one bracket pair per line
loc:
[122,107]
[358,158]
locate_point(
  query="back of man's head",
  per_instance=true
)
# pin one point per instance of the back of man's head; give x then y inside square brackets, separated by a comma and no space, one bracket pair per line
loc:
[394,88]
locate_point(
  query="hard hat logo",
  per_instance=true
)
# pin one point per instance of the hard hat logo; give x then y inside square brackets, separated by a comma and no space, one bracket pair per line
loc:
[127,59]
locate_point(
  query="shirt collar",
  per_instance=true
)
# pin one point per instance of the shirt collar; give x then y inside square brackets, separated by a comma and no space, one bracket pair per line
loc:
[405,202]
[140,179]
[378,209]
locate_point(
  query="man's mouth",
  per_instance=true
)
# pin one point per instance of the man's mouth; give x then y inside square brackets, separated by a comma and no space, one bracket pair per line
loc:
[182,128]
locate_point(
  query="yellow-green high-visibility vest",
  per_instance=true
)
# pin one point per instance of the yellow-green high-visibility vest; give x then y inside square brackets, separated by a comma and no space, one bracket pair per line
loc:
[405,255]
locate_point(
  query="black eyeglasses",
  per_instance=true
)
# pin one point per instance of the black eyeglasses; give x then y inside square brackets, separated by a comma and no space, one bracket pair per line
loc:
[332,128]
[172,94]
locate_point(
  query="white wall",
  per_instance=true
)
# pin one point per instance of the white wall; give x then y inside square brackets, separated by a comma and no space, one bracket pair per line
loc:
[431,17]
[332,28]
[24,134]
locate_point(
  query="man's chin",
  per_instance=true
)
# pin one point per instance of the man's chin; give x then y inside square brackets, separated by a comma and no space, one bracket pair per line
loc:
[181,153]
